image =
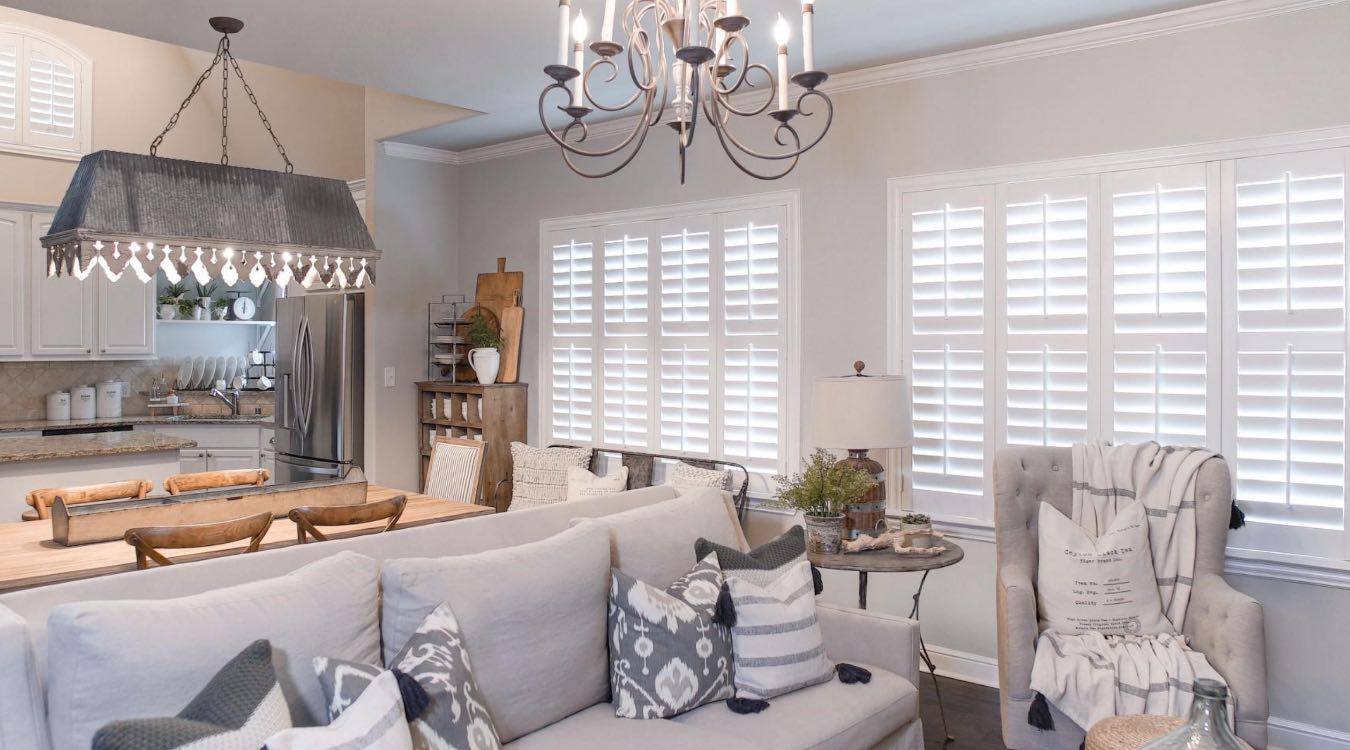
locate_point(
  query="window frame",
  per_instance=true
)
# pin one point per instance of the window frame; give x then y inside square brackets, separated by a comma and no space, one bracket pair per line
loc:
[656,218]
[24,144]
[1216,159]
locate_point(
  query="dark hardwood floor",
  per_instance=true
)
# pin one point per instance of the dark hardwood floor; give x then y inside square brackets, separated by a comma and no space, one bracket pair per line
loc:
[972,715]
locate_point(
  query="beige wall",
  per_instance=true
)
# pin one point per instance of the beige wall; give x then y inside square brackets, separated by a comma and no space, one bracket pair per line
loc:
[1272,75]
[138,83]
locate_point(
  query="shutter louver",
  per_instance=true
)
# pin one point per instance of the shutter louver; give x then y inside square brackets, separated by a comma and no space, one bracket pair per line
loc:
[52,97]
[1160,255]
[750,417]
[948,393]
[572,393]
[947,285]
[625,392]
[1289,433]
[573,279]
[1161,395]
[686,401]
[686,272]
[1047,266]
[625,285]
[750,279]
[1047,397]
[9,88]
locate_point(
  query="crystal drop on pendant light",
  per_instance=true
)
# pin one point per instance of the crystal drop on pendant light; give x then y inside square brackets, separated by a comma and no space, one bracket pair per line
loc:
[170,270]
[256,275]
[229,274]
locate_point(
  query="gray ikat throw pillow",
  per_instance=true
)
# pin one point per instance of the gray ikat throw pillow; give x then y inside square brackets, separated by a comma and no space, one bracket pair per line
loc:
[436,657]
[666,654]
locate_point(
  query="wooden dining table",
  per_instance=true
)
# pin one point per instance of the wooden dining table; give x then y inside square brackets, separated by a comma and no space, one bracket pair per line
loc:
[29,557]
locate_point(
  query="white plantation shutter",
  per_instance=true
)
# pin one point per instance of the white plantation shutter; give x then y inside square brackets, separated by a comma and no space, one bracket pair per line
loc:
[670,335]
[946,235]
[10,46]
[1289,347]
[1160,318]
[1047,238]
[751,338]
[52,96]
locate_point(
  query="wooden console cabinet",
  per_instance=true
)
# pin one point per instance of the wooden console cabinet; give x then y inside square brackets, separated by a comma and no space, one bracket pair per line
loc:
[496,414]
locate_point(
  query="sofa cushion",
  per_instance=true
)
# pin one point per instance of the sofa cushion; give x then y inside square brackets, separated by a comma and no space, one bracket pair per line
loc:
[138,658]
[597,728]
[241,706]
[539,475]
[533,616]
[829,715]
[21,701]
[376,721]
[655,544]
[762,565]
[667,655]
[581,483]
[776,638]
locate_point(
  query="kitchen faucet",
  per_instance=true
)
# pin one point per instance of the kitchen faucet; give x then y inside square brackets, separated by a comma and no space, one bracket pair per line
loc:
[230,397]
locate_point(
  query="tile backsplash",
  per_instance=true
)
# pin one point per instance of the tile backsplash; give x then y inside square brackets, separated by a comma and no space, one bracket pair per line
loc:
[24,387]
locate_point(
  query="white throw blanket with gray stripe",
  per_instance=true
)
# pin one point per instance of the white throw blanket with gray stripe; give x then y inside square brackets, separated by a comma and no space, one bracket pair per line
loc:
[1090,677]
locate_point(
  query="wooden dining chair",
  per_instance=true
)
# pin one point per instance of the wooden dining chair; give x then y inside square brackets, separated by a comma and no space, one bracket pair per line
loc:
[214,480]
[308,517]
[41,501]
[149,540]
[452,473]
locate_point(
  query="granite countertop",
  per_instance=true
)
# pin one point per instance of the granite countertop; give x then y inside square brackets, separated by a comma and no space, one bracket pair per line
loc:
[37,425]
[17,449]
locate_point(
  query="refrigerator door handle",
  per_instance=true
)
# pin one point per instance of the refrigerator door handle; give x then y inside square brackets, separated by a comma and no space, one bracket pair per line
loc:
[284,399]
[304,363]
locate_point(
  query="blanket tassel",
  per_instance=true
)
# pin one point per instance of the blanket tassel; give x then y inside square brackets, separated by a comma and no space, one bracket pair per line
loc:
[1236,518]
[851,674]
[415,698]
[816,580]
[746,705]
[724,612]
[1039,714]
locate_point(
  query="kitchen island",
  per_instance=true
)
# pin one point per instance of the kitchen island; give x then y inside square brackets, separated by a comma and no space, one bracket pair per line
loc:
[30,463]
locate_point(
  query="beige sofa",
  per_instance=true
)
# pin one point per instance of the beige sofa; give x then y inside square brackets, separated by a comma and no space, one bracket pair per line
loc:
[1223,624]
[74,655]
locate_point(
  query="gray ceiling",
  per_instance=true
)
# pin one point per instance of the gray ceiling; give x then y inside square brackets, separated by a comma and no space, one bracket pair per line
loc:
[488,55]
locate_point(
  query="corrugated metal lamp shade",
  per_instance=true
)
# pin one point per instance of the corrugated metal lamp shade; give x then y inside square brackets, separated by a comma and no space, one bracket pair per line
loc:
[863,412]
[211,221]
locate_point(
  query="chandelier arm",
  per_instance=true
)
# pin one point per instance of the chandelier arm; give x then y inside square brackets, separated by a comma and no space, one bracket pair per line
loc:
[173,119]
[568,147]
[724,98]
[727,137]
[614,73]
[723,135]
[725,54]
[567,159]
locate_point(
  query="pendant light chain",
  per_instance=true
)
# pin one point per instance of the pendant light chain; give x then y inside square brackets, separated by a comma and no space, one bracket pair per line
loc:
[223,54]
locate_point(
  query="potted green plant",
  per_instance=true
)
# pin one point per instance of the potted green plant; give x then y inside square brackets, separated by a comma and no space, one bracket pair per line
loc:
[484,357]
[220,308]
[204,292]
[920,529]
[171,301]
[820,491]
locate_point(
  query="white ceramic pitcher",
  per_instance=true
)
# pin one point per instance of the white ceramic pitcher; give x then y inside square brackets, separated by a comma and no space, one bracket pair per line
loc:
[485,363]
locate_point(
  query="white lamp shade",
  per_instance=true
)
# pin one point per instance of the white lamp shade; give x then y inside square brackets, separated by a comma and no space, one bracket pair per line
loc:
[863,413]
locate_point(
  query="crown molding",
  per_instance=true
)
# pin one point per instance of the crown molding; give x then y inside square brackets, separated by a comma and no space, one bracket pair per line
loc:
[421,153]
[1074,40]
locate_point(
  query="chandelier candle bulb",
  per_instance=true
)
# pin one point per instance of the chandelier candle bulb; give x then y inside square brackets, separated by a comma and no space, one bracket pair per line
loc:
[564,22]
[808,35]
[781,34]
[607,22]
[579,30]
[733,8]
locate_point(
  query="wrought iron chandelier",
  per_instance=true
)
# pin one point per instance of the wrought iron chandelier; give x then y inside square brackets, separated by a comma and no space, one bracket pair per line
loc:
[146,214]
[693,57]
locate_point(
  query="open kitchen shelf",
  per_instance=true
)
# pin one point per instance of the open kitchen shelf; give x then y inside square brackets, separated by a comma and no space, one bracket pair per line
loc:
[176,322]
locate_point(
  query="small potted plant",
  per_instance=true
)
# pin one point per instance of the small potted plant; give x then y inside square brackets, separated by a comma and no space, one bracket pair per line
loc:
[820,491]
[220,308]
[204,292]
[484,357]
[171,301]
[920,529]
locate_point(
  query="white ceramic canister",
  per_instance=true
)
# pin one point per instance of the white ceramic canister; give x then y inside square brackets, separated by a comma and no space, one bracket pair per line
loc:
[485,363]
[58,406]
[83,402]
[109,399]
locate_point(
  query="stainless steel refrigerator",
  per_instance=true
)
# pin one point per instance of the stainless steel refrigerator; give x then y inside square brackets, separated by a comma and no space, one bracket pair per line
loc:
[320,409]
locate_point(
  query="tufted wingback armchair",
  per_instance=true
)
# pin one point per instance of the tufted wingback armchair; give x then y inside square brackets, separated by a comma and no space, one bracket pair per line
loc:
[1224,625]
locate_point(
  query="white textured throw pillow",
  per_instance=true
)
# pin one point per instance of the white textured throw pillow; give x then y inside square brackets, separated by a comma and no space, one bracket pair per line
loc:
[539,475]
[1098,585]
[776,639]
[375,721]
[688,476]
[581,483]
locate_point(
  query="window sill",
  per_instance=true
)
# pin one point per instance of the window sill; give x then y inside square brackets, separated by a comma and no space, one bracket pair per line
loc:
[43,152]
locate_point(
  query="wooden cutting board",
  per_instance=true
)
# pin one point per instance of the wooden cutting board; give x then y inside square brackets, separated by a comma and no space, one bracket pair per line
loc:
[513,325]
[498,291]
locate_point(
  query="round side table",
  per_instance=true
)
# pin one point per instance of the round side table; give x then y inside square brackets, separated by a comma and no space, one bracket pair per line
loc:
[887,561]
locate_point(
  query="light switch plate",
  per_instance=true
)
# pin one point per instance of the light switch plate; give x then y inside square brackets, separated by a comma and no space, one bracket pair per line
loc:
[388,377]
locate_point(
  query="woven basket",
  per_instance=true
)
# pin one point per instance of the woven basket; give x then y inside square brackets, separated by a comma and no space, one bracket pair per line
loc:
[1131,732]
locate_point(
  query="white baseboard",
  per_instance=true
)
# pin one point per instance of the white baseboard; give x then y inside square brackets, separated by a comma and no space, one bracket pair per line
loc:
[1294,735]
[1284,734]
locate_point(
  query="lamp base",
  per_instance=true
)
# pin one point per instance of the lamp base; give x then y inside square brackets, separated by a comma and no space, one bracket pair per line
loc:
[868,514]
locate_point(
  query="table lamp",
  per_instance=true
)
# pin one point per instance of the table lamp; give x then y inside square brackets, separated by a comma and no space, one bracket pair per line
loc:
[858,413]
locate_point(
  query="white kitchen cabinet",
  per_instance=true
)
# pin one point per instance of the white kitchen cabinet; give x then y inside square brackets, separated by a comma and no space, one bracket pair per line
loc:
[269,462]
[227,459]
[193,461]
[61,310]
[13,283]
[222,447]
[126,317]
